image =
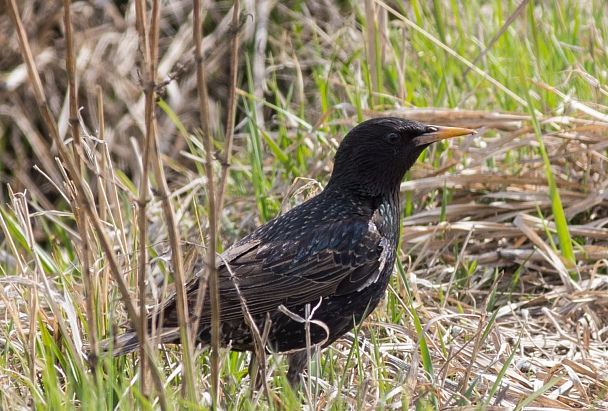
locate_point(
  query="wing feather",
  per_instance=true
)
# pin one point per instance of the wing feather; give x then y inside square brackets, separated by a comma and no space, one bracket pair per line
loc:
[267,279]
[342,257]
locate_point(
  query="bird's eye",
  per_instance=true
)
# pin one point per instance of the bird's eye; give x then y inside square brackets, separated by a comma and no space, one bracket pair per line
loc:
[393,138]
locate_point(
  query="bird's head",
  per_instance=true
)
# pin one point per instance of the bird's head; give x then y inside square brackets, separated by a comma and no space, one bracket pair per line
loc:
[375,155]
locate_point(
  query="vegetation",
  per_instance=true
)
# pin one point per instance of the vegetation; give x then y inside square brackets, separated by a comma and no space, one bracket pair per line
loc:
[500,295]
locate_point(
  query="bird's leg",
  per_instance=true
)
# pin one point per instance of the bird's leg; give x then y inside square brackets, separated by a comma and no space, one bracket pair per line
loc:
[257,365]
[255,373]
[298,362]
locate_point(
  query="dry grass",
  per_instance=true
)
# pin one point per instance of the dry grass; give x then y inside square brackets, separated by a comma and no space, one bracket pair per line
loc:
[482,289]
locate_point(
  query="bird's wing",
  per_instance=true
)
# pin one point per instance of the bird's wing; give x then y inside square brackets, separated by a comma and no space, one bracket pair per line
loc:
[343,257]
[339,257]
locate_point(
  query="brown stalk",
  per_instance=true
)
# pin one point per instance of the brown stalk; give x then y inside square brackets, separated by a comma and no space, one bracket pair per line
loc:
[70,62]
[85,200]
[262,13]
[234,60]
[86,256]
[116,214]
[370,42]
[203,100]
[456,266]
[142,227]
[257,367]
[475,352]
[152,156]
[149,39]
[188,387]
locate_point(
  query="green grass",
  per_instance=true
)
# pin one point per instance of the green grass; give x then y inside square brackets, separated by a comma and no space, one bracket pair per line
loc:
[323,74]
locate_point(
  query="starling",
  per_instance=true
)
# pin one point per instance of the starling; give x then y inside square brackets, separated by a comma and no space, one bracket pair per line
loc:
[332,255]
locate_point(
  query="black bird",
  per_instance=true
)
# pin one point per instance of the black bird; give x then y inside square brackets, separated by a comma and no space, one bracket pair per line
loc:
[336,250]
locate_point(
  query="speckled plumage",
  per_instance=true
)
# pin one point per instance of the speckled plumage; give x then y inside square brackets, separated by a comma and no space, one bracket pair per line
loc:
[337,250]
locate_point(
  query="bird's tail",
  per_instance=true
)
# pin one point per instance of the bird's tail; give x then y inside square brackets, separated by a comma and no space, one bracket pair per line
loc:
[120,344]
[128,342]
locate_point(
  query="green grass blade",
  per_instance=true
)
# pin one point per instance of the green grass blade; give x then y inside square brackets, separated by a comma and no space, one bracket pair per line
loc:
[561,224]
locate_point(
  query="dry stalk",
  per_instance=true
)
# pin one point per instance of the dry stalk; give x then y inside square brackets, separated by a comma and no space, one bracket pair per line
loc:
[142,227]
[234,60]
[86,255]
[258,359]
[310,349]
[262,12]
[370,42]
[203,100]
[189,387]
[152,156]
[477,342]
[102,183]
[102,176]
[456,266]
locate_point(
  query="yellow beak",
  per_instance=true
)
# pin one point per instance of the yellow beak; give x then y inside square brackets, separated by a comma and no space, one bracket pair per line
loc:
[441,133]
